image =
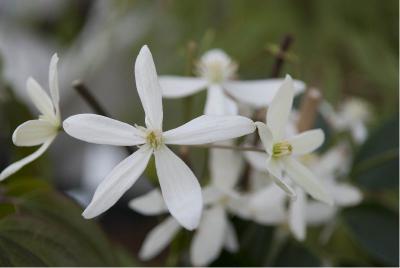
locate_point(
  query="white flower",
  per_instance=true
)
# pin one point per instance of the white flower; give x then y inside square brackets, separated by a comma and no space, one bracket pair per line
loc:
[179,186]
[282,151]
[41,131]
[216,71]
[215,230]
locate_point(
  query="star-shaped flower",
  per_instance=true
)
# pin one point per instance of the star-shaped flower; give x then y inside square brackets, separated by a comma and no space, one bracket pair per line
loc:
[179,186]
[282,151]
[216,71]
[41,131]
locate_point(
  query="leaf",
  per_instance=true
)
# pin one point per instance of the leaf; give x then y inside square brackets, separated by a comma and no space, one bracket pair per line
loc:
[376,229]
[47,229]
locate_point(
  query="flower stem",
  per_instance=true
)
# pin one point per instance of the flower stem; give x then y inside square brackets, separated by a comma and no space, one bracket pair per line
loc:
[85,94]
[229,147]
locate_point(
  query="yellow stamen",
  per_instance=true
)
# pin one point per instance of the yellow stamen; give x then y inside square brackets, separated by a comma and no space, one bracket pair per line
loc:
[281,149]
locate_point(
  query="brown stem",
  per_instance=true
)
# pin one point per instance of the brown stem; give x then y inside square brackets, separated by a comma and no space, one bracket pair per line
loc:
[308,109]
[229,147]
[280,57]
[85,94]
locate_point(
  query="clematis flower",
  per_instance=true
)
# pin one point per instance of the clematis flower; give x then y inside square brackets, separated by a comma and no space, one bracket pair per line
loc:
[215,231]
[282,151]
[179,186]
[43,130]
[216,71]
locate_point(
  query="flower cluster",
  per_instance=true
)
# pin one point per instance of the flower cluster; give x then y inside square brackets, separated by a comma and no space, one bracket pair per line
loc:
[285,172]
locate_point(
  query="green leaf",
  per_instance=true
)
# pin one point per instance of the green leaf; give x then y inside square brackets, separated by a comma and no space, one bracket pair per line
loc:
[376,229]
[46,229]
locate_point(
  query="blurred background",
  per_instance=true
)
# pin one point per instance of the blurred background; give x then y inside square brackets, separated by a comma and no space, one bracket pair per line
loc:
[343,48]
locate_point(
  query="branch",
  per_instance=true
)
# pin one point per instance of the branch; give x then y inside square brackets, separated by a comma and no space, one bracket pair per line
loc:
[229,147]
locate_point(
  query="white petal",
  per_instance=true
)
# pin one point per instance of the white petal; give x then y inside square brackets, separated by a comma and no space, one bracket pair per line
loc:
[306,179]
[102,130]
[318,213]
[33,132]
[11,169]
[231,243]
[266,136]
[274,167]
[225,167]
[279,110]
[40,98]
[148,88]
[359,132]
[209,129]
[120,179]
[307,141]
[346,195]
[258,93]
[177,87]
[53,82]
[257,160]
[297,210]
[151,203]
[180,188]
[158,238]
[211,194]
[209,239]
[217,103]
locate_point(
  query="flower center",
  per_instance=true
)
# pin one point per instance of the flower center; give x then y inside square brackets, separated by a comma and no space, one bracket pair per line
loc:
[154,139]
[216,66]
[281,149]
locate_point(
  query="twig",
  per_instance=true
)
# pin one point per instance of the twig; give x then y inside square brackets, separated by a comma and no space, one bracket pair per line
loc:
[229,147]
[280,57]
[308,109]
[84,92]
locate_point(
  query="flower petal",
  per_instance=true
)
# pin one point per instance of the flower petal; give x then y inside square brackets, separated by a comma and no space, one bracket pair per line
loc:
[274,167]
[11,169]
[158,238]
[297,210]
[307,141]
[148,88]
[258,93]
[279,109]
[209,129]
[151,203]
[225,167]
[231,243]
[102,130]
[211,194]
[53,82]
[346,195]
[217,103]
[120,179]
[40,98]
[177,86]
[209,239]
[180,188]
[33,132]
[318,213]
[266,136]
[306,179]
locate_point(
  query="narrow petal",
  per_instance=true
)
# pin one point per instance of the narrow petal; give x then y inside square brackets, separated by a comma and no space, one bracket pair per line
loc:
[279,110]
[307,141]
[53,82]
[257,160]
[120,179]
[209,129]
[33,132]
[211,194]
[148,88]
[159,238]
[40,98]
[151,203]
[217,103]
[306,179]
[345,195]
[266,136]
[274,167]
[180,188]
[11,169]
[225,167]
[258,93]
[209,239]
[297,211]
[231,243]
[177,87]
[102,130]
[318,213]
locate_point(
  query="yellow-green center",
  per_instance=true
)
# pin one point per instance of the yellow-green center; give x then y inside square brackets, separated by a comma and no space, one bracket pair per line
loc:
[281,149]
[154,139]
